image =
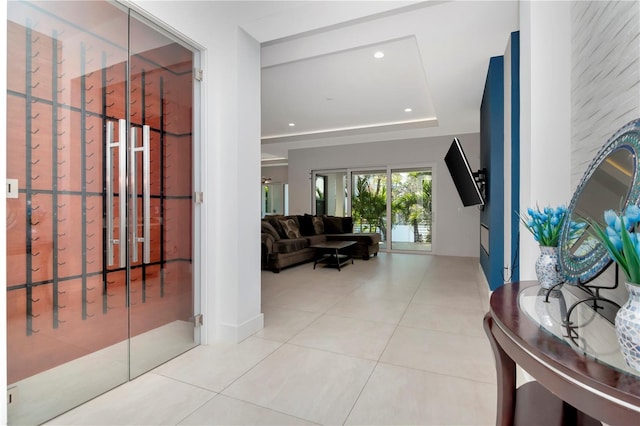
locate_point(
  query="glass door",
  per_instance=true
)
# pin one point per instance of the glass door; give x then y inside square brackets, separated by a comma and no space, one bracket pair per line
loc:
[160,174]
[411,200]
[369,202]
[99,253]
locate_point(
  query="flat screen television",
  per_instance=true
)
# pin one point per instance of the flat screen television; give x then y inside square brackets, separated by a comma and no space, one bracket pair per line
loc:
[465,180]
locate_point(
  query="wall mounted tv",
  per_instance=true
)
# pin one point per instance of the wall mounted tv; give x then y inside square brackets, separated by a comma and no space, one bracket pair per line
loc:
[470,185]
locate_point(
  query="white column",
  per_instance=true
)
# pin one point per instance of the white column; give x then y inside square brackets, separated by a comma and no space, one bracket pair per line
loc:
[545,124]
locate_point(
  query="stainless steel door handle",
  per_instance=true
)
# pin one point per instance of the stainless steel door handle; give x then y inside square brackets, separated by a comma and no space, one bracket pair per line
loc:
[110,144]
[134,195]
[146,194]
[146,191]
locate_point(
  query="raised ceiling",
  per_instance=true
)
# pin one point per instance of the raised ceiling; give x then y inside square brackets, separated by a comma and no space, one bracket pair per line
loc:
[319,71]
[346,92]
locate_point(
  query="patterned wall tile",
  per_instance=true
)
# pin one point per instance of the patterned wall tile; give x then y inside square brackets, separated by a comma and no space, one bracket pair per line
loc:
[605,75]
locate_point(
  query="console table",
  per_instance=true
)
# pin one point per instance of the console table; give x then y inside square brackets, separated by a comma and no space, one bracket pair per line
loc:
[572,385]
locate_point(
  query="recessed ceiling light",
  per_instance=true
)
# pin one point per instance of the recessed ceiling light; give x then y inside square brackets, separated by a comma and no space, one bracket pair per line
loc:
[292,124]
[408,110]
[379,54]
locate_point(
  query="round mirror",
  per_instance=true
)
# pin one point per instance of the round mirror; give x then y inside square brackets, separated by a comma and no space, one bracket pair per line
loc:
[611,182]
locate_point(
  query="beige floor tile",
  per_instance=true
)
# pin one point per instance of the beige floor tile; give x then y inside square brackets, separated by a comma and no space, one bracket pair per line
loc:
[402,396]
[348,336]
[304,299]
[281,324]
[307,383]
[451,294]
[389,291]
[440,318]
[222,410]
[467,357]
[418,310]
[342,285]
[150,399]
[216,366]
[388,311]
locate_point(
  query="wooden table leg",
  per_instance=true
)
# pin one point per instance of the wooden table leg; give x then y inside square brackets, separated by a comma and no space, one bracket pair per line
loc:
[506,372]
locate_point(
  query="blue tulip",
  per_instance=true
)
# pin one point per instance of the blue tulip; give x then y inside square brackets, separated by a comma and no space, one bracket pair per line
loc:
[632,215]
[616,241]
[610,218]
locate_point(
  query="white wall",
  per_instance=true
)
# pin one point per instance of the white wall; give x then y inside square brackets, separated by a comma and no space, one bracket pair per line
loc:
[230,158]
[278,174]
[456,228]
[572,99]
[545,120]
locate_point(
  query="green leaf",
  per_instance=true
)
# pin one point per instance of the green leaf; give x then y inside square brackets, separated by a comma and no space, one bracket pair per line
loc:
[616,255]
[630,254]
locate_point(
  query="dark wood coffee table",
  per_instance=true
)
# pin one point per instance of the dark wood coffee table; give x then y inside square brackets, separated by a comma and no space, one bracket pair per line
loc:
[331,253]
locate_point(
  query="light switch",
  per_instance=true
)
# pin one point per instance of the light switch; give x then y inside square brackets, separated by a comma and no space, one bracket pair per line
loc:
[12,188]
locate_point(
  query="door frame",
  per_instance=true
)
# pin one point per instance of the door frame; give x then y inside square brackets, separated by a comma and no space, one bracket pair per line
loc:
[388,169]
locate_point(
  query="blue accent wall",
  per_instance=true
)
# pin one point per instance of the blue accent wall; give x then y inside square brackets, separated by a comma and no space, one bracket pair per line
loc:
[515,153]
[492,159]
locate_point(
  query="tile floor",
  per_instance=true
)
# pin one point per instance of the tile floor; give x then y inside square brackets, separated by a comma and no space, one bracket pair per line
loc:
[396,340]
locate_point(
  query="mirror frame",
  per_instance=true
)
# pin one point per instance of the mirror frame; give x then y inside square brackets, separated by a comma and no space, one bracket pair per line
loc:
[584,268]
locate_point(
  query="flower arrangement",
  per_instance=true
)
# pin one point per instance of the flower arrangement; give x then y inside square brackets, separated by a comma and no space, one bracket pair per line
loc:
[545,224]
[622,240]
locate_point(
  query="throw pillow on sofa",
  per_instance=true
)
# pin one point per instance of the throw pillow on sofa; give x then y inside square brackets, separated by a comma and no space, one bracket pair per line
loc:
[347,224]
[274,220]
[333,225]
[306,225]
[318,225]
[290,228]
[267,228]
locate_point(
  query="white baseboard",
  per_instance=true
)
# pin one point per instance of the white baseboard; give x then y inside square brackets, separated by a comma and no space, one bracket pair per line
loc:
[238,332]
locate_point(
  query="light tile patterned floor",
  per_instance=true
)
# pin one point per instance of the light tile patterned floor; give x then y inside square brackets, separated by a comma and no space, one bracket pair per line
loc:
[396,340]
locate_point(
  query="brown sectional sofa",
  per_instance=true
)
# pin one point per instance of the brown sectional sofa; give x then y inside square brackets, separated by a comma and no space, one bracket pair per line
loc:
[286,239]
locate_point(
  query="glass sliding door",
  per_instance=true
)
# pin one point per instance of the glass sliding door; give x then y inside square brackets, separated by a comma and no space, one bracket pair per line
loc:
[99,254]
[411,202]
[369,202]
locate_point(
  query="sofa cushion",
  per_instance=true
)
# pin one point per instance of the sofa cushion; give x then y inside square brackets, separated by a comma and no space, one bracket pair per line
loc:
[332,225]
[318,225]
[365,237]
[267,228]
[290,228]
[289,246]
[316,239]
[306,224]
[347,224]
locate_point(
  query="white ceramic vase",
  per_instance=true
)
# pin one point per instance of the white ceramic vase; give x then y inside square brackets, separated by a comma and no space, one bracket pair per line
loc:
[547,269]
[628,327]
